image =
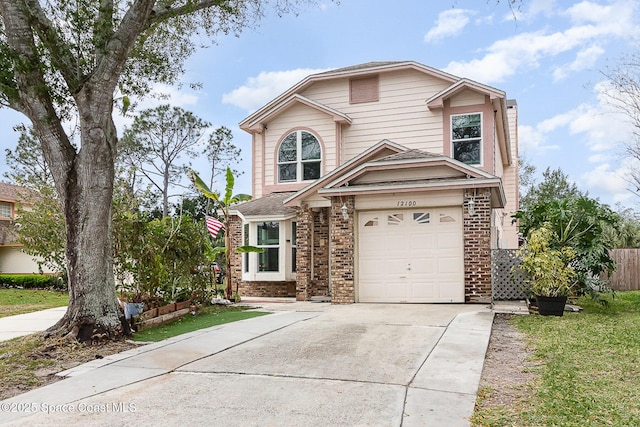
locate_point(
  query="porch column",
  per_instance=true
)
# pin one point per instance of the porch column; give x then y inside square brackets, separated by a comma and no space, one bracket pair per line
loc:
[477,245]
[341,256]
[235,234]
[304,245]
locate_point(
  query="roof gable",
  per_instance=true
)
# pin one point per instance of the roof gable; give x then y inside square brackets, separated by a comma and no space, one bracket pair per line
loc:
[437,100]
[251,123]
[257,124]
[381,149]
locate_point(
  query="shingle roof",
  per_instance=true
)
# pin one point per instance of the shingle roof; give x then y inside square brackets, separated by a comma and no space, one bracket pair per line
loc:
[408,155]
[11,192]
[364,66]
[270,204]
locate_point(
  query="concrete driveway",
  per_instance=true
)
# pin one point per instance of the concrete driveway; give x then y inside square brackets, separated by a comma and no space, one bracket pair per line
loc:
[306,364]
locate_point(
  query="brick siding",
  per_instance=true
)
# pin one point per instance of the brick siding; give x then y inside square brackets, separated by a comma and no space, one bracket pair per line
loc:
[341,255]
[477,247]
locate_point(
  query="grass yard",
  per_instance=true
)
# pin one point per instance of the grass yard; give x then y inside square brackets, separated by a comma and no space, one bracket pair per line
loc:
[206,317]
[19,301]
[587,367]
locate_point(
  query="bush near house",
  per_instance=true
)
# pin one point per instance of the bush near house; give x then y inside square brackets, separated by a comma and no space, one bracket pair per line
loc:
[31,281]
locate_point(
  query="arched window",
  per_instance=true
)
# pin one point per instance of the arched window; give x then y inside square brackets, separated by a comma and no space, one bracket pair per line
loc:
[299,157]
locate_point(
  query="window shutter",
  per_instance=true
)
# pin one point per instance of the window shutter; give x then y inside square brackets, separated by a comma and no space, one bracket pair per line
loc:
[364,90]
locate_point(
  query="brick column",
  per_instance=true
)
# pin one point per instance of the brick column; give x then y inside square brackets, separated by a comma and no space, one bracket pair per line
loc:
[304,244]
[477,246]
[320,270]
[341,256]
[235,232]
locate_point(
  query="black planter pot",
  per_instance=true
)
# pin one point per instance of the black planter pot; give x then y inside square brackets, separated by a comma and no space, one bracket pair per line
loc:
[551,306]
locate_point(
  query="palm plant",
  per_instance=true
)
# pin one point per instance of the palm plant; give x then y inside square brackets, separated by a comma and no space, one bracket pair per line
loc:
[224,202]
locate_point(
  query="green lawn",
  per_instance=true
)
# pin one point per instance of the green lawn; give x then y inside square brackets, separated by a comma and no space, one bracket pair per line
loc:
[19,301]
[206,317]
[589,366]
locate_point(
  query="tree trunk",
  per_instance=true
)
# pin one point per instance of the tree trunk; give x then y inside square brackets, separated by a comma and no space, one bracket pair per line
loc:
[86,193]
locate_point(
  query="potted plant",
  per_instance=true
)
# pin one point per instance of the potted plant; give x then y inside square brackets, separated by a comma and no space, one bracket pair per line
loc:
[550,275]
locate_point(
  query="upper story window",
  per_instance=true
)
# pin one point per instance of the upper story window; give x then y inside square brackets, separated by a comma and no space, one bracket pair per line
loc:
[466,138]
[6,210]
[364,90]
[299,157]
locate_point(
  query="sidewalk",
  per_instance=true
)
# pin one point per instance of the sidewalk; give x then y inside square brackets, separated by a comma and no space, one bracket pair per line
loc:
[29,323]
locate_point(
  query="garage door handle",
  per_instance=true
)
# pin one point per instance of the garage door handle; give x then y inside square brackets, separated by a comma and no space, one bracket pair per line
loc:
[408,267]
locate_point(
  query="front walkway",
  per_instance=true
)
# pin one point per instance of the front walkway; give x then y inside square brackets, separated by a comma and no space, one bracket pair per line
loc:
[29,323]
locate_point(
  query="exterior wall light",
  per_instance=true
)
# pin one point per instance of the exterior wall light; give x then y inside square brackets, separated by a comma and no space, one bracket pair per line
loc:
[343,209]
[472,207]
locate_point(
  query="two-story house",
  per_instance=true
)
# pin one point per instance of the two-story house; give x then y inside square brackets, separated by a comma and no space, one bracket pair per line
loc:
[12,259]
[381,182]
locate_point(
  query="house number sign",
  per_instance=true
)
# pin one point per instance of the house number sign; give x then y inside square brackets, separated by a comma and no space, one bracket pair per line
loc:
[406,203]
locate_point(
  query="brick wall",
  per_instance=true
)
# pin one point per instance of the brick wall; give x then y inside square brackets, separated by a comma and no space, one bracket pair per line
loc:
[312,257]
[235,233]
[268,289]
[477,246]
[341,255]
[320,281]
[252,289]
[304,239]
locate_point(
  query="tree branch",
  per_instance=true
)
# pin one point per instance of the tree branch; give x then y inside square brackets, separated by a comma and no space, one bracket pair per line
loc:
[60,56]
[162,13]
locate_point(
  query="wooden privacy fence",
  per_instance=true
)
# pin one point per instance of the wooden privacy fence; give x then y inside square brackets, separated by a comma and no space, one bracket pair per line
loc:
[627,274]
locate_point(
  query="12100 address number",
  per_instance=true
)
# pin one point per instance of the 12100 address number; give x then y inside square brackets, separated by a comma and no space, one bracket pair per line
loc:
[406,203]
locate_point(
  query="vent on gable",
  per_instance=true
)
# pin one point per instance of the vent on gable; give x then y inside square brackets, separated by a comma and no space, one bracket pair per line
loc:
[364,89]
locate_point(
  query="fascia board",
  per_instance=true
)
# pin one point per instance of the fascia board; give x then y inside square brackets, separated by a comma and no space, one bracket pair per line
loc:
[409,186]
[444,160]
[337,116]
[437,100]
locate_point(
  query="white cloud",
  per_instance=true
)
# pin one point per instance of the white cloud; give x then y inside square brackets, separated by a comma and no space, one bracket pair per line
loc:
[449,23]
[604,180]
[507,57]
[586,58]
[533,140]
[257,91]
[597,127]
[535,8]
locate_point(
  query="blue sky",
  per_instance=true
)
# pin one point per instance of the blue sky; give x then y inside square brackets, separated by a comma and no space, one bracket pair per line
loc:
[548,55]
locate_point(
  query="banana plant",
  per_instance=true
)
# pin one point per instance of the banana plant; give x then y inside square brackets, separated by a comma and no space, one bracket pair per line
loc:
[224,202]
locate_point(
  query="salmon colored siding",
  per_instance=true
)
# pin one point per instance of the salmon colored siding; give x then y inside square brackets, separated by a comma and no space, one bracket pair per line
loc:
[400,114]
[510,181]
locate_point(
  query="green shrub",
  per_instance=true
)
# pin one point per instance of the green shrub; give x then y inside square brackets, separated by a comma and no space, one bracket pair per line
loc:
[31,281]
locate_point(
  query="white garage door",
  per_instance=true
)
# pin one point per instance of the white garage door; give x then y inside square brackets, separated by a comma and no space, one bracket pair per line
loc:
[411,255]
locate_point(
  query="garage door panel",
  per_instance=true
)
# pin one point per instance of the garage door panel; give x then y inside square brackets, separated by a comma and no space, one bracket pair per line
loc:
[411,256]
[448,265]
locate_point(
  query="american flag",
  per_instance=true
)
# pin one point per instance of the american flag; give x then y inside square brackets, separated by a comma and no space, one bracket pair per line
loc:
[213,225]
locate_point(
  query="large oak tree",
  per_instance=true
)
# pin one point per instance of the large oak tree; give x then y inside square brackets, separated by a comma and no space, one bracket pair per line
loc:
[79,60]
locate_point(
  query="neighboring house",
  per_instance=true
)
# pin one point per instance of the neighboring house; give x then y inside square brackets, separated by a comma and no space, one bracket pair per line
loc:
[381,182]
[12,259]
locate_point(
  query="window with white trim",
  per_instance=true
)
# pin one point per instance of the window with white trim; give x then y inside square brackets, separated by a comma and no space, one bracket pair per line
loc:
[277,262]
[299,157]
[269,242]
[6,210]
[466,138]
